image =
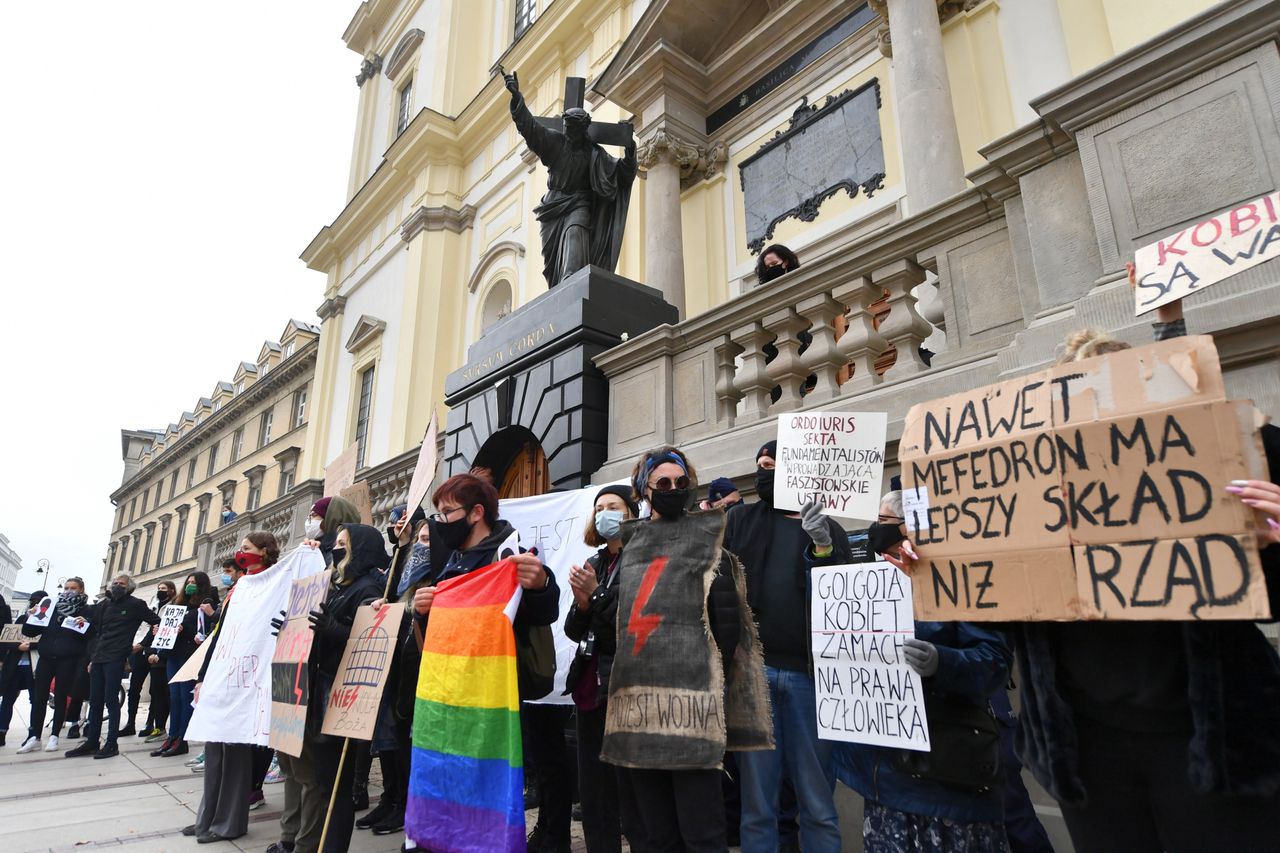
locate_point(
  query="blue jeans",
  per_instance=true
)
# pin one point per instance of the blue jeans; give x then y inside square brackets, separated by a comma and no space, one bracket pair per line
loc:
[104,688]
[180,695]
[808,766]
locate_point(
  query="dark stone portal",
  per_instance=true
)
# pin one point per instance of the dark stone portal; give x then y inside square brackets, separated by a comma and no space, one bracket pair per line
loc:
[534,369]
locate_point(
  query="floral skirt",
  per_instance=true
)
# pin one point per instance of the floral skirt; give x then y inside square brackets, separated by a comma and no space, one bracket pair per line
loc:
[886,830]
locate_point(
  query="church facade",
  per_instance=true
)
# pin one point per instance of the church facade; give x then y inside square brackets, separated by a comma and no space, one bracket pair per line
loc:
[960,179]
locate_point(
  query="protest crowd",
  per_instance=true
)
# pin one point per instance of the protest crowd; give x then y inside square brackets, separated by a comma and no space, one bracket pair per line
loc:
[691,706]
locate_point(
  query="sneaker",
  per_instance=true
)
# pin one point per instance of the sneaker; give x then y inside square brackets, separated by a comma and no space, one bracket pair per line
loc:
[274,776]
[279,847]
[52,745]
[391,824]
[73,733]
[198,768]
[109,750]
[31,744]
[88,747]
[379,813]
[164,747]
[199,759]
[155,735]
[256,800]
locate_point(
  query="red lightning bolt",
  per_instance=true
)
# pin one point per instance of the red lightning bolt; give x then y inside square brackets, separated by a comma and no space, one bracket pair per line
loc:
[641,625]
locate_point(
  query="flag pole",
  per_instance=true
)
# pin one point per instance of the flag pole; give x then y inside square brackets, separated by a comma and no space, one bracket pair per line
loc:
[333,795]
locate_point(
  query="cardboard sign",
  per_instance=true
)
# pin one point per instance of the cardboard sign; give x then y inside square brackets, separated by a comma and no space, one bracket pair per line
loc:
[834,458]
[44,612]
[352,709]
[866,692]
[289,674]
[167,631]
[358,494]
[341,472]
[425,471]
[13,634]
[190,670]
[1093,490]
[1207,252]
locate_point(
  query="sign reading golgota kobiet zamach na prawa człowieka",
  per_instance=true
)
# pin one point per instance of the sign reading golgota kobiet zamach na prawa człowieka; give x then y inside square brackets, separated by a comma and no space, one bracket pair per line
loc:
[1091,490]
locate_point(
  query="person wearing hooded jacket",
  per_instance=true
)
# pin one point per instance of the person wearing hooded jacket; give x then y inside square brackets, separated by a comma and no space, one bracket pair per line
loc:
[326,518]
[359,575]
[16,673]
[777,549]
[61,652]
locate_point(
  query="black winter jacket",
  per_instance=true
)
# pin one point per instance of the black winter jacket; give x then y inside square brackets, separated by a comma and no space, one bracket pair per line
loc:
[600,618]
[59,642]
[114,625]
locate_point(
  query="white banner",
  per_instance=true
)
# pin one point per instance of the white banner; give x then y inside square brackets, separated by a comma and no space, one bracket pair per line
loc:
[1206,253]
[235,697]
[866,692]
[171,616]
[834,458]
[555,524]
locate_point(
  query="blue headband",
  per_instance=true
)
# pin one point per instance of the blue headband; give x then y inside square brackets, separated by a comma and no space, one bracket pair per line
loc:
[653,462]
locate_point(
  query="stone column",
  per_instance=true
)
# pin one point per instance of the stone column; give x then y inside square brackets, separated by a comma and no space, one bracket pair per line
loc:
[931,158]
[664,157]
[1035,52]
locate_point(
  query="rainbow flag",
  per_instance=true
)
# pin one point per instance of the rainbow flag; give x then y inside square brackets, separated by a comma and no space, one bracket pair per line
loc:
[466,787]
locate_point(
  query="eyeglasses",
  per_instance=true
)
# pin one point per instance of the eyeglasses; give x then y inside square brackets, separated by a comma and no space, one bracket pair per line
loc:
[666,484]
[443,517]
[885,519]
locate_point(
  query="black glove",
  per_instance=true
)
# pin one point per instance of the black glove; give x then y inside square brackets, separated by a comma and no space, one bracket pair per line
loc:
[278,623]
[324,625]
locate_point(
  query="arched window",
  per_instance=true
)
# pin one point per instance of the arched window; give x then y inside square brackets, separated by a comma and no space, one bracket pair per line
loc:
[497,304]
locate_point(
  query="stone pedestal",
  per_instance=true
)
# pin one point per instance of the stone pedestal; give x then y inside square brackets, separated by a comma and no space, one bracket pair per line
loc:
[532,376]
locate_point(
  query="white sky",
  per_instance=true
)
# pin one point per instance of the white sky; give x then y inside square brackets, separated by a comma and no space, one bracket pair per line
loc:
[164,164]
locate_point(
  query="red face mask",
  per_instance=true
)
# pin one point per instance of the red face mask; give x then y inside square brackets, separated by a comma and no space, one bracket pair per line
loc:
[244,559]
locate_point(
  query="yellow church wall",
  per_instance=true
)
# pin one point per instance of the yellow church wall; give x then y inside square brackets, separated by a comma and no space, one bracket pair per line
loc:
[703,233]
[979,86]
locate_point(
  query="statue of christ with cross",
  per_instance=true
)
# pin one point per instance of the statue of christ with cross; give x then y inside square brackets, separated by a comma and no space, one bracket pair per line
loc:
[585,208]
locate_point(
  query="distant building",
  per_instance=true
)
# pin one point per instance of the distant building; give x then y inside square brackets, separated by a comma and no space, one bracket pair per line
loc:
[240,445]
[10,565]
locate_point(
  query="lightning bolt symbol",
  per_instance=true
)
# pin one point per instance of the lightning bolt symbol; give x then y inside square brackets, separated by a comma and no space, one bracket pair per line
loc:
[297,681]
[640,625]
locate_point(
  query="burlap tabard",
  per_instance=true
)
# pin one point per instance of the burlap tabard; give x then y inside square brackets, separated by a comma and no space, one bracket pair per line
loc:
[667,693]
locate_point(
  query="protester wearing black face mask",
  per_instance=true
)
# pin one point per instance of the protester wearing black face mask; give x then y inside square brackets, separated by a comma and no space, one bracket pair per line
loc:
[116,620]
[778,549]
[61,653]
[466,534]
[664,808]
[774,262]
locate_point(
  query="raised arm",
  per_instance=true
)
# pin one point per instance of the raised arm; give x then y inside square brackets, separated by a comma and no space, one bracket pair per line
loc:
[541,141]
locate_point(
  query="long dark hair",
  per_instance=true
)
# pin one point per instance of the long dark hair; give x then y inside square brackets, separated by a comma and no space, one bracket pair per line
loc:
[204,590]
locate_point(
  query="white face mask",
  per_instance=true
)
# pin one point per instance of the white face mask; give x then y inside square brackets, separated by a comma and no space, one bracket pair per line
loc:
[312,528]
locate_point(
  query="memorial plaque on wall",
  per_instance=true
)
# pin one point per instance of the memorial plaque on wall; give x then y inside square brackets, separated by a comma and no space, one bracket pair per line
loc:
[825,149]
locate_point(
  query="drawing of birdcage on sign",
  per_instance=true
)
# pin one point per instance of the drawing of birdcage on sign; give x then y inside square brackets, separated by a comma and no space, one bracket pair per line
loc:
[368,658]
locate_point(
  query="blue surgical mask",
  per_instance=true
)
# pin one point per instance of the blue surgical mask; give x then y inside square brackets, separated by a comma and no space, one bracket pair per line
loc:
[609,523]
[227,580]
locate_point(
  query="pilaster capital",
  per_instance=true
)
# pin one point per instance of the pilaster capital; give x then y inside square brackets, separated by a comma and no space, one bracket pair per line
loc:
[369,68]
[947,9]
[696,162]
[332,307]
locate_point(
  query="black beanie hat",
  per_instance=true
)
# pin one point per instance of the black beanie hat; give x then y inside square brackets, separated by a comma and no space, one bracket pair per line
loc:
[770,449]
[623,492]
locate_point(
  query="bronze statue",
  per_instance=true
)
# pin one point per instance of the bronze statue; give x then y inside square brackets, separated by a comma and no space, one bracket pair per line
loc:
[585,208]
